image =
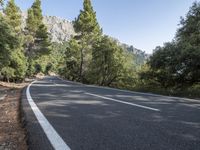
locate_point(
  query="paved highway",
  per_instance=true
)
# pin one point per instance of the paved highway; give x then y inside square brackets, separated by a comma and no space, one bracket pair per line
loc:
[66,115]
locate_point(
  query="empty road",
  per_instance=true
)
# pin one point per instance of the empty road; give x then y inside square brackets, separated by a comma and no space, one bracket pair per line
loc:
[66,115]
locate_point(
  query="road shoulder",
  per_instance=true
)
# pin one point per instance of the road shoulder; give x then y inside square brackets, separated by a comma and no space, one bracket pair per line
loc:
[12,133]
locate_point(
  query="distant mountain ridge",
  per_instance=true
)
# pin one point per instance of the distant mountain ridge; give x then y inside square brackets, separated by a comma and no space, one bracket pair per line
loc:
[62,30]
[141,56]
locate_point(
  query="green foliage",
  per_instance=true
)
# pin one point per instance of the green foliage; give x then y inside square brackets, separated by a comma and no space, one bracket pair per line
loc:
[57,56]
[188,40]
[86,23]
[37,11]
[88,32]
[13,63]
[17,60]
[8,42]
[42,42]
[34,19]
[72,61]
[31,68]
[7,73]
[12,59]
[19,64]
[176,64]
[107,62]
[31,26]
[96,59]
[38,43]
[13,14]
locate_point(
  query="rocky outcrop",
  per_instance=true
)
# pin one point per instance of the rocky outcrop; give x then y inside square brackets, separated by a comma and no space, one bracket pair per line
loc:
[60,29]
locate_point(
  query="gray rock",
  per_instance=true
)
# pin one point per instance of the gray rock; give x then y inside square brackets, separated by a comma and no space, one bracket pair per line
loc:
[59,29]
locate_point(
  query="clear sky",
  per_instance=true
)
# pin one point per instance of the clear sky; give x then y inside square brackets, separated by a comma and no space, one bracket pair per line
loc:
[144,24]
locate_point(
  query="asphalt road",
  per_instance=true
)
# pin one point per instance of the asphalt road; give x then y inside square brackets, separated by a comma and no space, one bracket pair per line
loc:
[95,118]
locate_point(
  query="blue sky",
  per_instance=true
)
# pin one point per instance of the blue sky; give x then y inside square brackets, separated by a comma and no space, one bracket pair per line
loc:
[144,24]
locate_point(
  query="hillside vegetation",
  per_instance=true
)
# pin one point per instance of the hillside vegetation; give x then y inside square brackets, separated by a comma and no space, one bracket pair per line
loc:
[87,55]
[175,67]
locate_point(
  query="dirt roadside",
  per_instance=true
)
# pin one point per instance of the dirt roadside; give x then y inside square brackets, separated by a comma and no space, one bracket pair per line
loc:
[12,133]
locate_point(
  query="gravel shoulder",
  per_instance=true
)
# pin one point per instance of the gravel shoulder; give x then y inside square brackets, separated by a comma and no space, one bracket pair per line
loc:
[12,133]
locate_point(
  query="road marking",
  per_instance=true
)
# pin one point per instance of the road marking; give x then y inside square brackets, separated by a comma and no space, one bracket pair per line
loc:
[132,92]
[123,102]
[56,141]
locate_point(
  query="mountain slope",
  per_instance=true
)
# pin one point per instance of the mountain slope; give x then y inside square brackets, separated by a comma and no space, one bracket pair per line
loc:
[61,30]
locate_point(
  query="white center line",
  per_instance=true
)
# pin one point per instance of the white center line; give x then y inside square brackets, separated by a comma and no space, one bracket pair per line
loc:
[123,102]
[56,141]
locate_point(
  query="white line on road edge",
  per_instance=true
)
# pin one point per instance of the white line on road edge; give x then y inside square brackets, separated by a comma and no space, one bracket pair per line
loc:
[119,101]
[54,138]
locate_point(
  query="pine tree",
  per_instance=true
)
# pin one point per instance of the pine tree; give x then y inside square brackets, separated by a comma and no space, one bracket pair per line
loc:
[89,32]
[17,60]
[35,17]
[108,62]
[42,41]
[72,61]
[31,26]
[13,14]
[86,24]
[38,42]
[8,42]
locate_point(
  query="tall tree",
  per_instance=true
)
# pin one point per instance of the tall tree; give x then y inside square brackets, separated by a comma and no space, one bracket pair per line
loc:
[42,41]
[177,64]
[108,62]
[18,61]
[38,42]
[13,14]
[89,32]
[188,38]
[8,42]
[34,19]
[72,61]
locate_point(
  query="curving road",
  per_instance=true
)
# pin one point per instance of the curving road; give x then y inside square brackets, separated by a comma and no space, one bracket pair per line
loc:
[66,115]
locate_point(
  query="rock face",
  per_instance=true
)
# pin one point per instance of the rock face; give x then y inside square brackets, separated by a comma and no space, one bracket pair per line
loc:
[60,29]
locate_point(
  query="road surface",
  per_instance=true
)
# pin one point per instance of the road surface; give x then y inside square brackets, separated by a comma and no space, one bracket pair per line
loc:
[66,115]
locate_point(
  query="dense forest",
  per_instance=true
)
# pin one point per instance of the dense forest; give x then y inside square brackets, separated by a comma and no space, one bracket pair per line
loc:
[91,57]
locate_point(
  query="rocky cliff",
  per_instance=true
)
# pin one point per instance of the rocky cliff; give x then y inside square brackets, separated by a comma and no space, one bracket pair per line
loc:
[61,30]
